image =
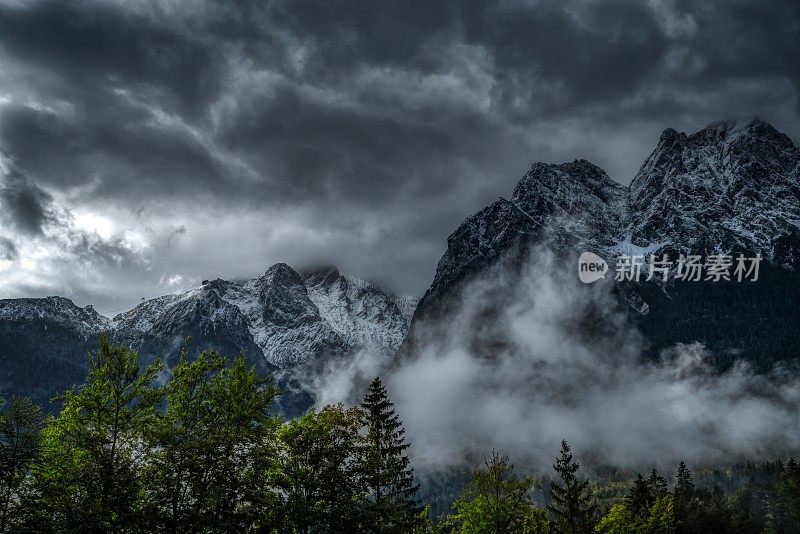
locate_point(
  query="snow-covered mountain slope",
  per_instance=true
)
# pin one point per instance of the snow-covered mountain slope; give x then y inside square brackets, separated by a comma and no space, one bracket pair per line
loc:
[142,317]
[362,314]
[55,310]
[293,319]
[565,204]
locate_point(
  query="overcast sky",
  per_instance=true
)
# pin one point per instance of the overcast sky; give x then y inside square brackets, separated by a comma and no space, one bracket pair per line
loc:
[149,145]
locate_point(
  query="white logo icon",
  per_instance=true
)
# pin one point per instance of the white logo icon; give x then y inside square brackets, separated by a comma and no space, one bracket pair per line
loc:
[591,267]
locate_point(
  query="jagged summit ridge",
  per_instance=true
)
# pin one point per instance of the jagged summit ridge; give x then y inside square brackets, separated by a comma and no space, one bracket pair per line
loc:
[293,318]
[566,204]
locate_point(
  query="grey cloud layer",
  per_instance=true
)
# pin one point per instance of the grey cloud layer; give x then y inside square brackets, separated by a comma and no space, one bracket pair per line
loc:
[376,126]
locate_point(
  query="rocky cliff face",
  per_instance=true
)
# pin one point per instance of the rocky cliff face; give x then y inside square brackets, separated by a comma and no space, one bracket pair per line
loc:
[565,205]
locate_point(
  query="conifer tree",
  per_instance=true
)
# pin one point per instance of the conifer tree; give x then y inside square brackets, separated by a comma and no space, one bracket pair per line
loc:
[386,473]
[639,497]
[657,485]
[571,506]
[684,500]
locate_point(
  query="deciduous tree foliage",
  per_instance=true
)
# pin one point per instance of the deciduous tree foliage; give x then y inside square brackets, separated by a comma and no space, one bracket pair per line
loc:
[89,475]
[497,501]
[206,449]
[318,471]
[20,427]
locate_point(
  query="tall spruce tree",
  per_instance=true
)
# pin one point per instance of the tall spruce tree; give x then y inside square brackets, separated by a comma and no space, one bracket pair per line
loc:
[685,500]
[657,484]
[571,503]
[386,473]
[640,497]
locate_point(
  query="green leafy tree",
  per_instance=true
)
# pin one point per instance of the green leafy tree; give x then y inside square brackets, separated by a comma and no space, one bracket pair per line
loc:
[426,524]
[496,501]
[318,472]
[210,446]
[661,517]
[20,439]
[88,477]
[386,471]
[618,520]
[571,502]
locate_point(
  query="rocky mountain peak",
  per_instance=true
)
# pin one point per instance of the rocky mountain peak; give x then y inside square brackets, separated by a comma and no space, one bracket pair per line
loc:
[195,307]
[731,185]
[282,274]
[284,298]
[565,181]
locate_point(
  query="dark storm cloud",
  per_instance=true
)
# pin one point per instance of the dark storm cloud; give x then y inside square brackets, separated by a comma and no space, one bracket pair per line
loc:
[372,126]
[24,205]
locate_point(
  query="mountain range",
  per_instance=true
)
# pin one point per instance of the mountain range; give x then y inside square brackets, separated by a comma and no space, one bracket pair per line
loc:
[733,186]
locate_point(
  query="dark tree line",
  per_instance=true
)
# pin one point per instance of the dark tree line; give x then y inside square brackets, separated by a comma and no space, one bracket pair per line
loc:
[203,453]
